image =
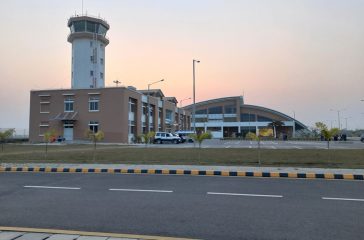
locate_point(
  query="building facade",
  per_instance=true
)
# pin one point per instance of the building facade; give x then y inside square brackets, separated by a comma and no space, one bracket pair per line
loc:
[120,112]
[230,117]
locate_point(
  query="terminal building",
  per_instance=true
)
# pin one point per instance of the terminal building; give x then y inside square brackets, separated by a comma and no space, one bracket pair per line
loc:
[120,112]
[230,117]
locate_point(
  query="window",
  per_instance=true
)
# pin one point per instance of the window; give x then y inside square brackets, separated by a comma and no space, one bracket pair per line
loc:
[101,75]
[102,61]
[78,26]
[230,109]
[92,59]
[93,103]
[91,73]
[44,107]
[92,27]
[201,111]
[91,43]
[215,110]
[169,117]
[68,104]
[94,126]
[132,105]
[247,117]
[264,119]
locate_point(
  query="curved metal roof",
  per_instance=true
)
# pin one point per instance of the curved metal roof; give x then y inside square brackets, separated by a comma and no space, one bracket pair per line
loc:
[216,100]
[274,112]
[234,98]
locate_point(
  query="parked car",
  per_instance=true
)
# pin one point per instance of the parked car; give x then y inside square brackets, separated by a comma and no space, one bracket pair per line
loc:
[184,135]
[164,137]
[362,138]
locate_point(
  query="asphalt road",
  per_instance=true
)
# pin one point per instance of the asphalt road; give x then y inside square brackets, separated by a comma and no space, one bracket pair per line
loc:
[216,143]
[185,206]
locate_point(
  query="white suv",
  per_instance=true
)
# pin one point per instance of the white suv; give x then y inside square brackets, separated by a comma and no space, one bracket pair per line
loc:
[163,137]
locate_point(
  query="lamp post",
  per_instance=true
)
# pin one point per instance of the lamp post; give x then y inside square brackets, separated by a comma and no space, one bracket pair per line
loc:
[338,115]
[294,124]
[148,108]
[194,95]
[346,122]
[180,105]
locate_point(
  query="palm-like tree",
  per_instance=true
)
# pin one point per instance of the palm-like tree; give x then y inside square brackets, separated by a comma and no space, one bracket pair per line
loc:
[94,137]
[48,137]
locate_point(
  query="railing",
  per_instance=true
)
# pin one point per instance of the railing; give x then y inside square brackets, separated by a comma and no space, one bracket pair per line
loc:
[89,15]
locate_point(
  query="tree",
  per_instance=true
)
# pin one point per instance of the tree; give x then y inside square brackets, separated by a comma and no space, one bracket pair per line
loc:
[274,125]
[200,137]
[5,135]
[326,133]
[148,137]
[48,137]
[94,137]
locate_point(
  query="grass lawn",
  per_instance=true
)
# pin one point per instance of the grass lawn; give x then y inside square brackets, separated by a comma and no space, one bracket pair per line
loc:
[334,158]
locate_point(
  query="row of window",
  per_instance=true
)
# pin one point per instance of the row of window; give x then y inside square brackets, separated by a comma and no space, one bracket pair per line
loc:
[93,104]
[244,117]
[93,60]
[44,126]
[101,74]
[228,109]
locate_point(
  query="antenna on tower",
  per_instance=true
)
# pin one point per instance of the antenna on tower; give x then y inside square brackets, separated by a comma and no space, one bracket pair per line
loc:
[82,7]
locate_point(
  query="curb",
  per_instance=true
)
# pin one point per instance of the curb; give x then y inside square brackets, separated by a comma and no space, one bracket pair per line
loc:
[188,172]
[91,234]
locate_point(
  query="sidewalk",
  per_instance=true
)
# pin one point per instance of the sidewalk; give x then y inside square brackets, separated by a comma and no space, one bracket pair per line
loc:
[292,172]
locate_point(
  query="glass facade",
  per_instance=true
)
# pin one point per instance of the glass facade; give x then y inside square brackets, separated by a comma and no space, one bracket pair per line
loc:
[230,109]
[247,117]
[88,26]
[201,111]
[215,110]
[264,119]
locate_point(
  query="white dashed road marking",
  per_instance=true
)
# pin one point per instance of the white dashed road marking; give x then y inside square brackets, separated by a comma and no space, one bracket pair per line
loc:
[67,188]
[344,199]
[140,190]
[245,194]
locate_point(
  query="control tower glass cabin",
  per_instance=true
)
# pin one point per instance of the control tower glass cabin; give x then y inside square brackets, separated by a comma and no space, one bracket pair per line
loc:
[88,38]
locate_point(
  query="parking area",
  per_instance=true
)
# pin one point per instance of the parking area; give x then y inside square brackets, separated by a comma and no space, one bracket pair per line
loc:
[217,143]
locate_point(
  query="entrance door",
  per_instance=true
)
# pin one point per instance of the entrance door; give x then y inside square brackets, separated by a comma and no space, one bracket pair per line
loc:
[68,133]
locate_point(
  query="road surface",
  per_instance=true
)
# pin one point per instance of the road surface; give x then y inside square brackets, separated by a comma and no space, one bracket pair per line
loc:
[184,206]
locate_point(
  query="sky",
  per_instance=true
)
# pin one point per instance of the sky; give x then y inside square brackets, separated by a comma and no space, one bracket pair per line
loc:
[299,57]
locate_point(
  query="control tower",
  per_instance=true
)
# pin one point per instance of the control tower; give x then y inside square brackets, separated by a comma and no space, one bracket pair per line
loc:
[88,38]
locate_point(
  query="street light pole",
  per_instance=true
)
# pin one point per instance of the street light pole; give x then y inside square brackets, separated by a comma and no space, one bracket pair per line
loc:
[180,105]
[194,96]
[338,116]
[148,108]
[294,124]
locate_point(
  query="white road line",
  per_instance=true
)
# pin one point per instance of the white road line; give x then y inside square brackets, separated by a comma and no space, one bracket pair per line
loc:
[244,194]
[273,147]
[344,199]
[227,147]
[68,188]
[139,190]
[297,147]
[250,147]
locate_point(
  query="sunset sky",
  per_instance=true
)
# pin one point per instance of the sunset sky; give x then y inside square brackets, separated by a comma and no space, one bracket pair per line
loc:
[302,56]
